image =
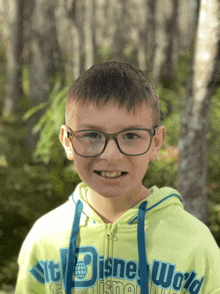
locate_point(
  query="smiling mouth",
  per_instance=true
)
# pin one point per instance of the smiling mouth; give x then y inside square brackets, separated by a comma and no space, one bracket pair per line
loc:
[113,175]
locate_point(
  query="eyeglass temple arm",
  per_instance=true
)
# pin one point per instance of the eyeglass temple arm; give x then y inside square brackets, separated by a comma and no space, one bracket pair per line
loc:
[69,135]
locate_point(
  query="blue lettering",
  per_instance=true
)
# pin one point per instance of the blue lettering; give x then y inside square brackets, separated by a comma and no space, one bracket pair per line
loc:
[120,262]
[90,268]
[46,274]
[162,274]
[54,271]
[177,281]
[37,272]
[189,280]
[131,269]
[101,267]
[196,286]
[186,275]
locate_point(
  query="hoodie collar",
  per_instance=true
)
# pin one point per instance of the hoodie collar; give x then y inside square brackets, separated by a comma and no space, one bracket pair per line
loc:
[155,202]
[160,198]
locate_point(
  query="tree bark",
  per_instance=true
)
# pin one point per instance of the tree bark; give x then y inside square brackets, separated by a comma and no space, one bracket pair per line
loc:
[192,168]
[187,22]
[12,102]
[70,36]
[166,41]
[88,31]
[151,30]
[141,52]
[100,23]
[119,36]
[45,57]
[139,33]
[76,50]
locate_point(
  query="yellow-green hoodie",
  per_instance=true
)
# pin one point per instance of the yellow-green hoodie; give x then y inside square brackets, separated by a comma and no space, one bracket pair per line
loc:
[156,247]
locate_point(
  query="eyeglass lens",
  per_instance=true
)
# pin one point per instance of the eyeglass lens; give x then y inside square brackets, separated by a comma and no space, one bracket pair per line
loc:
[131,142]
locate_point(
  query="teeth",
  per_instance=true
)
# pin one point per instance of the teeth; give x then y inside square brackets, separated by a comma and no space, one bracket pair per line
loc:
[111,174]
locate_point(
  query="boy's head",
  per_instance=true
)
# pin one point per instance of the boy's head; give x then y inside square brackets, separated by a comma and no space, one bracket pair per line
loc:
[121,81]
[100,103]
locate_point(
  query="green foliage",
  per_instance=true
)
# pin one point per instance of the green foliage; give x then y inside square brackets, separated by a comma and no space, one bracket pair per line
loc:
[29,190]
[49,125]
[25,79]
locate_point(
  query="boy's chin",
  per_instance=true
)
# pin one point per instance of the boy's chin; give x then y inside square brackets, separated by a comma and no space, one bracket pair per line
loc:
[107,193]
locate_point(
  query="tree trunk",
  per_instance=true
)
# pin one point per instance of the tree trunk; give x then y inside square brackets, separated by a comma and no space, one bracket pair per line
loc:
[166,41]
[141,52]
[192,169]
[88,31]
[70,35]
[119,36]
[187,22]
[76,50]
[44,59]
[100,23]
[151,30]
[139,33]
[12,102]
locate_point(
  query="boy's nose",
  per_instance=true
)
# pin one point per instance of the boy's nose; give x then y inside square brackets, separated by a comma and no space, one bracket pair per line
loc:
[111,151]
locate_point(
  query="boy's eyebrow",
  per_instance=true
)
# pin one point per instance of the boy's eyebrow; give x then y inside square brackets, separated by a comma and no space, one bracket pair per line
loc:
[123,128]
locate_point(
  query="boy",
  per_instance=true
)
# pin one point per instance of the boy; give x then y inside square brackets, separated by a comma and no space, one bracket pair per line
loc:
[115,235]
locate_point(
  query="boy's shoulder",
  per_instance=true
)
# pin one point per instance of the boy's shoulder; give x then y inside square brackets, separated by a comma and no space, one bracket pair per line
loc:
[181,221]
[58,219]
[193,230]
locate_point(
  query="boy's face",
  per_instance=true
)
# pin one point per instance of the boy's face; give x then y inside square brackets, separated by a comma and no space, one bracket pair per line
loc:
[110,119]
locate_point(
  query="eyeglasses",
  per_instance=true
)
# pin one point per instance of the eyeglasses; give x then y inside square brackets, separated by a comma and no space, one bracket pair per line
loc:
[131,142]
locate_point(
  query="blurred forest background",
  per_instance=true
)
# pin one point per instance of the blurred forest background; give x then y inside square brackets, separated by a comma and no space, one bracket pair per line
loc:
[45,46]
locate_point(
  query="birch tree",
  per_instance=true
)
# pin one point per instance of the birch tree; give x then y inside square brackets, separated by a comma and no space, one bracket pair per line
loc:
[71,37]
[187,22]
[151,28]
[139,32]
[192,169]
[166,54]
[88,31]
[120,35]
[45,58]
[12,102]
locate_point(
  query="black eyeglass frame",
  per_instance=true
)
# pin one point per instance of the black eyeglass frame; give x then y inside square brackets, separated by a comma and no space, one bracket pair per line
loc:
[71,133]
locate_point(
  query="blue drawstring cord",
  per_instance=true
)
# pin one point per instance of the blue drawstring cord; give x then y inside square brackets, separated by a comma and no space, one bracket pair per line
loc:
[72,247]
[142,249]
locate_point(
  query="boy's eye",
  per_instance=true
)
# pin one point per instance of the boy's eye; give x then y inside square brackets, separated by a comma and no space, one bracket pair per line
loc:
[89,135]
[92,135]
[131,136]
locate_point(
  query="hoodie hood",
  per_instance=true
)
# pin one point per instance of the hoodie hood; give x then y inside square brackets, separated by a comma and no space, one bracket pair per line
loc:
[160,199]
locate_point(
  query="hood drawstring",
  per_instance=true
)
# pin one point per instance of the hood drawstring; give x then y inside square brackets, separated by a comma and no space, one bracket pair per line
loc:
[142,248]
[70,265]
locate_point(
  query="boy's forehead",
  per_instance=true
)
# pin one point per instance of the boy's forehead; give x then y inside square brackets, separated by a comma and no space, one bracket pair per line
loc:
[110,115]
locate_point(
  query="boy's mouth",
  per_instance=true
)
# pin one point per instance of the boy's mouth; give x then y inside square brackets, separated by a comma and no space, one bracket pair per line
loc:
[109,174]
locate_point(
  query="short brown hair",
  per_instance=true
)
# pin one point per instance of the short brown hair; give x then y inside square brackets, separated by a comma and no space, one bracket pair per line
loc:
[118,80]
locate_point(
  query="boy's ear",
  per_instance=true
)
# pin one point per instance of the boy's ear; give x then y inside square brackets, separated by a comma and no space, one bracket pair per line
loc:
[157,142]
[66,142]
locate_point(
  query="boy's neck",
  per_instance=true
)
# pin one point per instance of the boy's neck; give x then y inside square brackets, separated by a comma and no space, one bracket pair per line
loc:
[116,206]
